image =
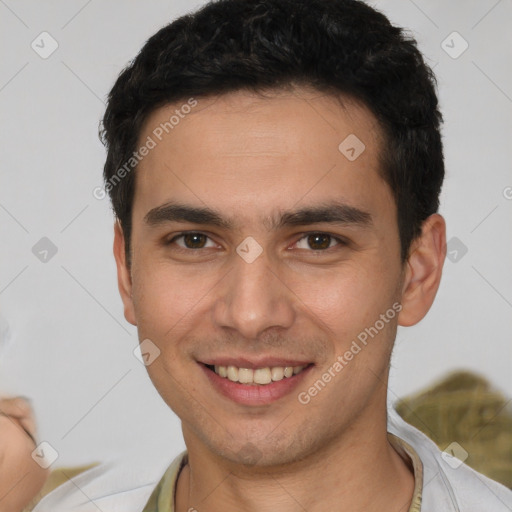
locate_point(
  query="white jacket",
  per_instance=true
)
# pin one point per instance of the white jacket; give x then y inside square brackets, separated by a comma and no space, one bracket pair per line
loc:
[447,486]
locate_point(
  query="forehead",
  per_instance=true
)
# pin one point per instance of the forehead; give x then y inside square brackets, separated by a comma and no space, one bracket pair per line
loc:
[256,155]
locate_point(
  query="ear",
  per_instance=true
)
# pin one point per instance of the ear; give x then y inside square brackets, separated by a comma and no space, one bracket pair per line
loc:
[423,271]
[124,278]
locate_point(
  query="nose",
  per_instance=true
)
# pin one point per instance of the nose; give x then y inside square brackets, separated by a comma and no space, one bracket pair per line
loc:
[253,298]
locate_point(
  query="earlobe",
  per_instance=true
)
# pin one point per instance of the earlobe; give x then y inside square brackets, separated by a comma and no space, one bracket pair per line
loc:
[423,270]
[124,280]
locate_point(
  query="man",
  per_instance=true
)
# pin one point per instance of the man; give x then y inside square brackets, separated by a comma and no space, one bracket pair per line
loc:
[275,168]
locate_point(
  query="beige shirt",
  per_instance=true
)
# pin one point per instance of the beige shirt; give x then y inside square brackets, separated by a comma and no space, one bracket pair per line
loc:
[163,497]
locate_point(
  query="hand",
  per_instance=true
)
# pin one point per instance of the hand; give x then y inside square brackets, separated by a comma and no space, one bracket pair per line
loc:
[19,410]
[21,478]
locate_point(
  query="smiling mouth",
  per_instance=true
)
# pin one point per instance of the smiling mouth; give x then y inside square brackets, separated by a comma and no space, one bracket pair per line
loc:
[256,376]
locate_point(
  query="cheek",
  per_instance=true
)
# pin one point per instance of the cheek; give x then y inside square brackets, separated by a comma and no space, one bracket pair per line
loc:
[167,303]
[167,299]
[346,299]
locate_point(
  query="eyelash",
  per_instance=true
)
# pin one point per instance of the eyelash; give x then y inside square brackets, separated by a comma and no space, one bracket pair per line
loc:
[340,241]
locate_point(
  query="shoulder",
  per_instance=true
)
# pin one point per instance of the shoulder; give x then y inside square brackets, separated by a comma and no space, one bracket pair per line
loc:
[121,485]
[449,484]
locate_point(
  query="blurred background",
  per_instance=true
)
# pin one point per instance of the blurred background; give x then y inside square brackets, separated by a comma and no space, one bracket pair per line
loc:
[64,342]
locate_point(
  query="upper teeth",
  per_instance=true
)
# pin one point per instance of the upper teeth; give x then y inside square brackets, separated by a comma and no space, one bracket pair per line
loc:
[257,376]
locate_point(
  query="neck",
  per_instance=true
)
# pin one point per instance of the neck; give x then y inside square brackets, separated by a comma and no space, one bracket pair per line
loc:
[359,471]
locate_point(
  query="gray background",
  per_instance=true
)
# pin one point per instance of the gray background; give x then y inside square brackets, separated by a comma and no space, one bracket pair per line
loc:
[64,340]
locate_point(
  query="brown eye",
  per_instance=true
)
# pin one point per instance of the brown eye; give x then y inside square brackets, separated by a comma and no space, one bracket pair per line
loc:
[319,241]
[192,240]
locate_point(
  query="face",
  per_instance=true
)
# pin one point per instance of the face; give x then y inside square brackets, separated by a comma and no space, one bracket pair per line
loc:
[258,244]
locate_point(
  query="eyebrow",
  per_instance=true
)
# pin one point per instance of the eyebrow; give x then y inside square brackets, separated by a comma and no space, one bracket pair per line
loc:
[332,213]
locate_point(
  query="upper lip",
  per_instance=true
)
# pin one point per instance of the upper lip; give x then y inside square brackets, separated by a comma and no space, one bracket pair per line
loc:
[263,362]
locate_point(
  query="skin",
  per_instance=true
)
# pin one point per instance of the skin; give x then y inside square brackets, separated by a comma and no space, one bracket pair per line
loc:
[21,478]
[251,158]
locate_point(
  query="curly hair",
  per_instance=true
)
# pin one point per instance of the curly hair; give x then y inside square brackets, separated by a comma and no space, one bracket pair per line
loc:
[344,47]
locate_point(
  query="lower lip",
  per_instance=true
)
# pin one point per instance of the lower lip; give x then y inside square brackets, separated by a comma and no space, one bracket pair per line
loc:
[256,394]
